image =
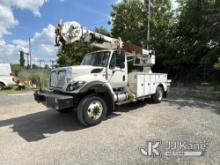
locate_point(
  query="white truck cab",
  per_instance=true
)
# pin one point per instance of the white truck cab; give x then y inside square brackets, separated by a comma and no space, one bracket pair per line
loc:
[6,77]
[105,66]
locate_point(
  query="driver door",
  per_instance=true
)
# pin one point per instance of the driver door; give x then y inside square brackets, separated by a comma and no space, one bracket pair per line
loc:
[116,70]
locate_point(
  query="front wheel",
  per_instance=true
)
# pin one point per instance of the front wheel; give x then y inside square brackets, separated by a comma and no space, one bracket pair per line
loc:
[158,96]
[91,110]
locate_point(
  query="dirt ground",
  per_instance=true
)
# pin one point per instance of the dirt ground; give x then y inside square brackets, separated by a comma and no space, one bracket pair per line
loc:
[32,134]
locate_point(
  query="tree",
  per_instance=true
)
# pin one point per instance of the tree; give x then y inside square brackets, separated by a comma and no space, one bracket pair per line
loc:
[73,53]
[196,40]
[217,65]
[103,31]
[162,24]
[129,21]
[46,67]
[34,66]
[22,60]
[16,68]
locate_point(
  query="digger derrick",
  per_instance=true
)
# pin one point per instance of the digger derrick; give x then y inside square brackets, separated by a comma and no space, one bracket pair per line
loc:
[102,80]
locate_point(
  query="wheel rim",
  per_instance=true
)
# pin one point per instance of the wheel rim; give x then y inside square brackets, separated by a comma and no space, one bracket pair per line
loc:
[160,95]
[95,110]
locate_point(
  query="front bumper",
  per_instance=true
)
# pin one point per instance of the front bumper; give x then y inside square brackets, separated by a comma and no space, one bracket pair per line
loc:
[54,100]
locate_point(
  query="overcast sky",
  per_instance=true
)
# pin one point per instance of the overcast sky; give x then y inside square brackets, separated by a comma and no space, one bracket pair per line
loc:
[21,19]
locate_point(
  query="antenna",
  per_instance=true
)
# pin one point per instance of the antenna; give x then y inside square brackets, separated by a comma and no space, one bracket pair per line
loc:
[53,63]
[60,21]
[30,53]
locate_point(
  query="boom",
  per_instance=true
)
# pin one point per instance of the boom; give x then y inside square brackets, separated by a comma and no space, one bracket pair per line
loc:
[70,32]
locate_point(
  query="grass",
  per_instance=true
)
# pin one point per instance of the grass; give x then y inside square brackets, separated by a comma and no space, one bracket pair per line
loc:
[13,90]
[206,98]
[34,75]
[216,85]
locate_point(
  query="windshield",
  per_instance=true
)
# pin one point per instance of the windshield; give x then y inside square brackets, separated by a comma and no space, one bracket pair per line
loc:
[96,59]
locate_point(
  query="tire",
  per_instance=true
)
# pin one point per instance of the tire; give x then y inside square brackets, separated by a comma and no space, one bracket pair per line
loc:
[62,111]
[2,86]
[91,110]
[158,96]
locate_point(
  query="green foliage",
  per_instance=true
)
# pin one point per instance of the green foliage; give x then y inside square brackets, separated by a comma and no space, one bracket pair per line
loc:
[129,21]
[22,60]
[47,67]
[217,65]
[35,75]
[34,66]
[196,47]
[216,85]
[72,54]
[16,68]
[102,30]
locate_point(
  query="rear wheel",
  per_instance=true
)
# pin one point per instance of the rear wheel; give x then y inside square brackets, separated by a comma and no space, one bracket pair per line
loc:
[2,86]
[92,110]
[158,96]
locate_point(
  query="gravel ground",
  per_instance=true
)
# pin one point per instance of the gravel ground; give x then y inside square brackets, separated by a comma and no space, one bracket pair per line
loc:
[32,134]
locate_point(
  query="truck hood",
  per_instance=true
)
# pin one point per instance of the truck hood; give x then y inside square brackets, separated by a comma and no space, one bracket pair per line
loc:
[85,70]
[61,77]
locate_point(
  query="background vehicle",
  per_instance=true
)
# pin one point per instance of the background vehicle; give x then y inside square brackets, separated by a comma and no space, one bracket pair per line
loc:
[6,76]
[104,78]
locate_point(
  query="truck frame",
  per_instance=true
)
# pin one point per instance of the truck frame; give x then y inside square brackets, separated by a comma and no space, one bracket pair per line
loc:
[104,78]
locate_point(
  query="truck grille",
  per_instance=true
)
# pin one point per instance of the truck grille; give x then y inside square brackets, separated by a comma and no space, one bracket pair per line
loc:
[53,79]
[59,78]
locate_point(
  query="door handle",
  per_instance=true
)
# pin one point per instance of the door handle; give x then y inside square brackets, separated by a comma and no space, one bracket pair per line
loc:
[123,79]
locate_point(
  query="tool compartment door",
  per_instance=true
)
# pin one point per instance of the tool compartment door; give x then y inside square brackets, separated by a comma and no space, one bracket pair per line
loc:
[140,85]
[152,83]
[143,85]
[147,84]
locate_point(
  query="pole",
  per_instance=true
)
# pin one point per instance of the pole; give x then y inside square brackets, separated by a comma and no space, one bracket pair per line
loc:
[40,61]
[52,63]
[148,23]
[27,54]
[30,52]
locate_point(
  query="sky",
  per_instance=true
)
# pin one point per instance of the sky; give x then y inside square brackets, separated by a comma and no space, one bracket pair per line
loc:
[21,19]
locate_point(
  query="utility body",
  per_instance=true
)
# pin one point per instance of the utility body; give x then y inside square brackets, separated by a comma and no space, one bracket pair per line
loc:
[119,73]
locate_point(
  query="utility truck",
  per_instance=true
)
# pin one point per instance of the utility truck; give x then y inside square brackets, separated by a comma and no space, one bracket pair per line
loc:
[104,79]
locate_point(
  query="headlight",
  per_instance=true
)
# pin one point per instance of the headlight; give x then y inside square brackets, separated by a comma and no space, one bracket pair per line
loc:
[75,85]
